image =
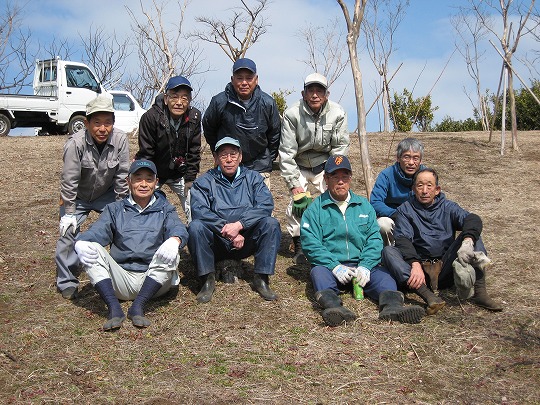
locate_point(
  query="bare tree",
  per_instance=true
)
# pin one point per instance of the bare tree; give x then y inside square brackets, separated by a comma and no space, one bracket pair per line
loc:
[509,41]
[381,21]
[326,49]
[162,49]
[106,54]
[236,35]
[470,33]
[353,32]
[59,48]
[16,59]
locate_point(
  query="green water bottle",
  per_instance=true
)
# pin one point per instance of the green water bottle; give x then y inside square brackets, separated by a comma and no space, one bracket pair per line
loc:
[358,291]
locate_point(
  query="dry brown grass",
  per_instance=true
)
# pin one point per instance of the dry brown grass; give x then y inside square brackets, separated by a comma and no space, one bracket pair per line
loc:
[240,349]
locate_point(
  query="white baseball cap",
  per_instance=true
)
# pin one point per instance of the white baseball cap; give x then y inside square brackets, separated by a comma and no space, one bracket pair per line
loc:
[316,78]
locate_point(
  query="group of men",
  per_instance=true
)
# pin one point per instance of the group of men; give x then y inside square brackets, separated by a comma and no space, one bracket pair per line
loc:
[229,208]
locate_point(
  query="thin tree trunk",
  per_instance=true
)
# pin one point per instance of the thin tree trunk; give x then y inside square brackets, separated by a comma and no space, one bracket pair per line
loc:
[361,114]
[503,121]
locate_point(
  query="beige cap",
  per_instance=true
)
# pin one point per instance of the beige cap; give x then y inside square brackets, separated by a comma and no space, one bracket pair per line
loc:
[316,78]
[101,103]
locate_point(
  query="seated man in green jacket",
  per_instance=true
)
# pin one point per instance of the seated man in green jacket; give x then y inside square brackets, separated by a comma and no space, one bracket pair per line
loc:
[341,239]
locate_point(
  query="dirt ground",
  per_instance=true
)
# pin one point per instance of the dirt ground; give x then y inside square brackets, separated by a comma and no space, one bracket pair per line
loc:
[241,349]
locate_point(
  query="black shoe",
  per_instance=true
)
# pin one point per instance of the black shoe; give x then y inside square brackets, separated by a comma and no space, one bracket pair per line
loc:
[70,293]
[299,257]
[260,284]
[207,290]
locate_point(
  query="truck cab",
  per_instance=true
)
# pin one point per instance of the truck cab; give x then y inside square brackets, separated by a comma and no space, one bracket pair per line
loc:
[61,91]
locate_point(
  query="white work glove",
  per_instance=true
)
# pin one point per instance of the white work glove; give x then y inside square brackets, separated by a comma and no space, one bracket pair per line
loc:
[66,222]
[168,251]
[343,273]
[465,254]
[87,253]
[363,276]
[387,224]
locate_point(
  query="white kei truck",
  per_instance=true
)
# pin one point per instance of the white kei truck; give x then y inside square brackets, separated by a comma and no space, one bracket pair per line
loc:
[61,91]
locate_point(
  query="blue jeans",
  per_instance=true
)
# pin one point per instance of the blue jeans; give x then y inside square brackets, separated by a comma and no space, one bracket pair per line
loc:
[262,241]
[380,280]
[67,262]
[401,270]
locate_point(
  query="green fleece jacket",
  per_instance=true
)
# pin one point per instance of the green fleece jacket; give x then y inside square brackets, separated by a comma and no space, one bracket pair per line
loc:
[329,238]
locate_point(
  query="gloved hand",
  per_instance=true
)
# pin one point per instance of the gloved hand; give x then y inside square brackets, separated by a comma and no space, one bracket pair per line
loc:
[343,273]
[300,202]
[86,252]
[168,251]
[466,252]
[66,222]
[362,276]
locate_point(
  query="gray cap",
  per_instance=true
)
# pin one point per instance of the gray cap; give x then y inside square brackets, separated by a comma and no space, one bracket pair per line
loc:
[227,141]
[102,103]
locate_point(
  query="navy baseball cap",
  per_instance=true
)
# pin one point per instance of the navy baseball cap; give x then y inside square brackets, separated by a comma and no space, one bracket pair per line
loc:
[142,164]
[227,141]
[244,63]
[177,81]
[337,162]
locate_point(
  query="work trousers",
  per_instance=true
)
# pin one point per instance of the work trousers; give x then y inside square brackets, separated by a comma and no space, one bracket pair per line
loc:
[400,270]
[306,177]
[178,187]
[380,280]
[262,240]
[127,284]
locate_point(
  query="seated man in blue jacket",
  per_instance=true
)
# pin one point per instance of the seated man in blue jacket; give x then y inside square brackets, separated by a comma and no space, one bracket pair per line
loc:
[144,234]
[393,185]
[341,239]
[232,219]
[426,227]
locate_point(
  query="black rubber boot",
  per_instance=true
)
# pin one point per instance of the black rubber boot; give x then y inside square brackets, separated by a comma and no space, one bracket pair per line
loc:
[299,257]
[209,285]
[116,315]
[136,312]
[334,313]
[481,297]
[434,302]
[260,284]
[391,308]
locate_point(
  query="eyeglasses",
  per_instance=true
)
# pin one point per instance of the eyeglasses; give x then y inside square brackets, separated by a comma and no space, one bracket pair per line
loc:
[225,156]
[175,97]
[407,158]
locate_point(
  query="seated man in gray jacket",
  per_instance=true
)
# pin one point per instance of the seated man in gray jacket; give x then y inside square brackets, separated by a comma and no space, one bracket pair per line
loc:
[144,234]
[232,219]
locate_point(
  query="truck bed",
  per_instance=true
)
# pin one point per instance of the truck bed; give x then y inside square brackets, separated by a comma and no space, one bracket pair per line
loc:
[28,102]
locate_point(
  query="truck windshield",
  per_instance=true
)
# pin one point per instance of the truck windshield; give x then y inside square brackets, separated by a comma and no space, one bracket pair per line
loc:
[81,77]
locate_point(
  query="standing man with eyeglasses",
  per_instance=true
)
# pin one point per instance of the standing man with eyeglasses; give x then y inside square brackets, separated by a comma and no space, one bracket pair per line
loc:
[170,136]
[394,186]
[314,129]
[232,219]
[248,113]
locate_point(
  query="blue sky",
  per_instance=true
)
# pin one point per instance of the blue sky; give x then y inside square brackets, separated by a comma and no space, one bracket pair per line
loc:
[424,40]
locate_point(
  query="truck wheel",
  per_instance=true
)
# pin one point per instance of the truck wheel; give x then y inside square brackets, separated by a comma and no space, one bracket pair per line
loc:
[5,125]
[76,123]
